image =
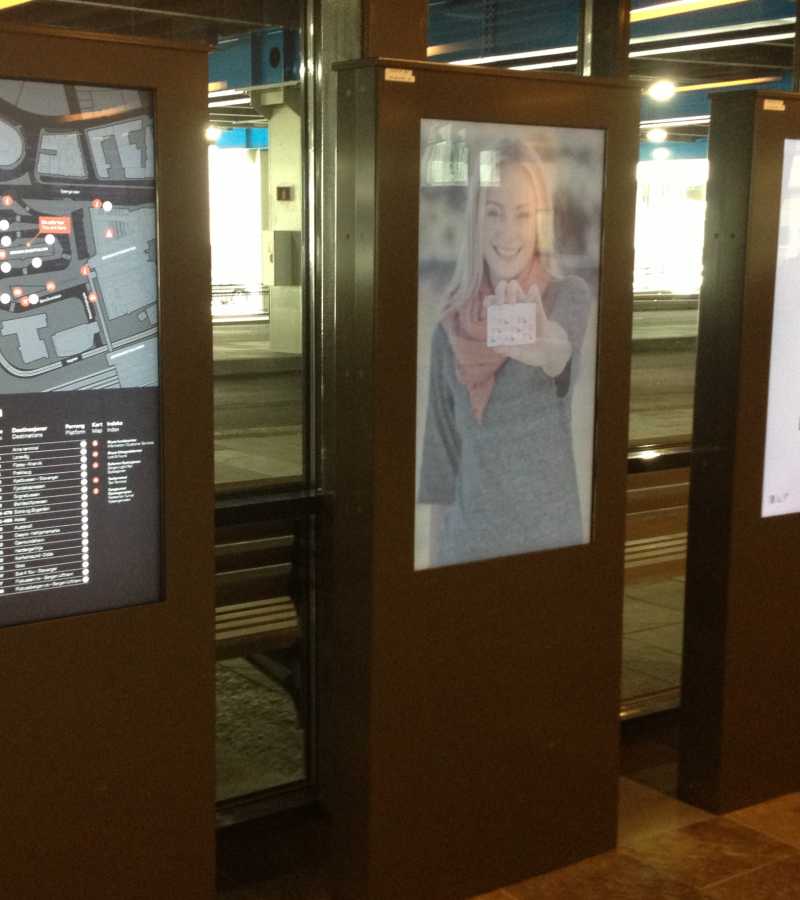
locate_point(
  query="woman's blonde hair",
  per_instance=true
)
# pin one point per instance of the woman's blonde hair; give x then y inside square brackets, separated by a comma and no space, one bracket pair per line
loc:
[485,166]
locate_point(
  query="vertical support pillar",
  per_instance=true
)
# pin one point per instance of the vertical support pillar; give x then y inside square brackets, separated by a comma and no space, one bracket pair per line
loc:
[796,52]
[395,30]
[740,722]
[604,38]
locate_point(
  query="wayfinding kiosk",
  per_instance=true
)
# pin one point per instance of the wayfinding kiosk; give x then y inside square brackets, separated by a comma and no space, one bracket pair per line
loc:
[105,470]
[485,244]
[740,728]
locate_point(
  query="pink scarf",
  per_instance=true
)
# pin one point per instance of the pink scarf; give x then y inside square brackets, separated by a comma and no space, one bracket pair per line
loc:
[465,325]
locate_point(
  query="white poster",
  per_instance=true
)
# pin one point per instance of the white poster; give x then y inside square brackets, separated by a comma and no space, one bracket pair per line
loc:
[509,250]
[781,491]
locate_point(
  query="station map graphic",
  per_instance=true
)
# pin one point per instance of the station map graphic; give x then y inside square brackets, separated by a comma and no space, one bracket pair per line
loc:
[78,261]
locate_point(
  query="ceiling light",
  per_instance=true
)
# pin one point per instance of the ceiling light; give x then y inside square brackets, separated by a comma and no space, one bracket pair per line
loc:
[7,4]
[657,135]
[661,153]
[711,45]
[710,85]
[677,8]
[213,134]
[661,90]
[236,101]
[562,63]
[511,57]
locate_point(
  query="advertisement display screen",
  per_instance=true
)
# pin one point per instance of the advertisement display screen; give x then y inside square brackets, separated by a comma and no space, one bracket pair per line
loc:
[781,488]
[509,250]
[80,480]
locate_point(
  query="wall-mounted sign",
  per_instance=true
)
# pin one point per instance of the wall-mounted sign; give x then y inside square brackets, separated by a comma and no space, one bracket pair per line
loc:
[781,490]
[509,249]
[79,372]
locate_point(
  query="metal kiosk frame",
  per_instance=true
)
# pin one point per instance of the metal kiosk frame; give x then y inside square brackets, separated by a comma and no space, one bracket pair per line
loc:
[470,729]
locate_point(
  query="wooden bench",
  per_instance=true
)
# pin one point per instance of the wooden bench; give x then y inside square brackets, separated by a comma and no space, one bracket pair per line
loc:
[260,625]
[656,524]
[255,610]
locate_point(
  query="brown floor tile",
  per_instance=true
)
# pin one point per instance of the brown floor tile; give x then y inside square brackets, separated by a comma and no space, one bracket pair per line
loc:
[644,812]
[612,876]
[778,818]
[777,881]
[666,593]
[708,852]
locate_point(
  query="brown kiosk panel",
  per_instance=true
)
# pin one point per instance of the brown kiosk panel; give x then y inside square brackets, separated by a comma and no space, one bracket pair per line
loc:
[106,481]
[470,732]
[740,730]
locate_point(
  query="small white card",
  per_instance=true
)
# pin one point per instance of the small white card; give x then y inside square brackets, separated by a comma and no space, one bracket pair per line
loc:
[510,324]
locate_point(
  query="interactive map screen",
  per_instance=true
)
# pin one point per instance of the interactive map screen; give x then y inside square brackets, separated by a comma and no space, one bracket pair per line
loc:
[79,376]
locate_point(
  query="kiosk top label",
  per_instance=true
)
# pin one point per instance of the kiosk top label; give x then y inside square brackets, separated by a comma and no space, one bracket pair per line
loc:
[406,76]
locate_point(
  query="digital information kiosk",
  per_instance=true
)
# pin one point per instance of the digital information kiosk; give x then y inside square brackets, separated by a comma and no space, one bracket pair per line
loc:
[740,729]
[485,240]
[106,481]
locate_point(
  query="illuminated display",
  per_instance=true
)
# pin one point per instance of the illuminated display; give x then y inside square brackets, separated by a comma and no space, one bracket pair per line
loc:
[781,487]
[79,383]
[509,249]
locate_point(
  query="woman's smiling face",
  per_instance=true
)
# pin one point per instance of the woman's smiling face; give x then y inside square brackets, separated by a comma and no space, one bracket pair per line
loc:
[508,225]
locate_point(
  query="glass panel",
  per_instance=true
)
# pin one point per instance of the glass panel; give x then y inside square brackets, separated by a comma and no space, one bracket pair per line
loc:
[670,222]
[257,201]
[505,32]
[260,739]
[256,197]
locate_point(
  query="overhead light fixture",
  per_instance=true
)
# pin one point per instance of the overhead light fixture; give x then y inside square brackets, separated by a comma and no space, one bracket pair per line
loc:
[661,90]
[511,57]
[7,4]
[237,101]
[712,45]
[657,135]
[677,8]
[555,64]
[213,134]
[661,153]
[674,122]
[737,82]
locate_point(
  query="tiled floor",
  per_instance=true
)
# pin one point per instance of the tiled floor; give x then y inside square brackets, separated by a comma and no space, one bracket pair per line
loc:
[667,851]
[652,637]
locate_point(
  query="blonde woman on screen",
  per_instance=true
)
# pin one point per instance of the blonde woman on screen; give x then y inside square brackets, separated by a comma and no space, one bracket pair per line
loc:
[497,458]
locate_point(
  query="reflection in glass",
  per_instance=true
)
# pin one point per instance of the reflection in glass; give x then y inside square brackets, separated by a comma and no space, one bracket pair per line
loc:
[670,223]
[257,301]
